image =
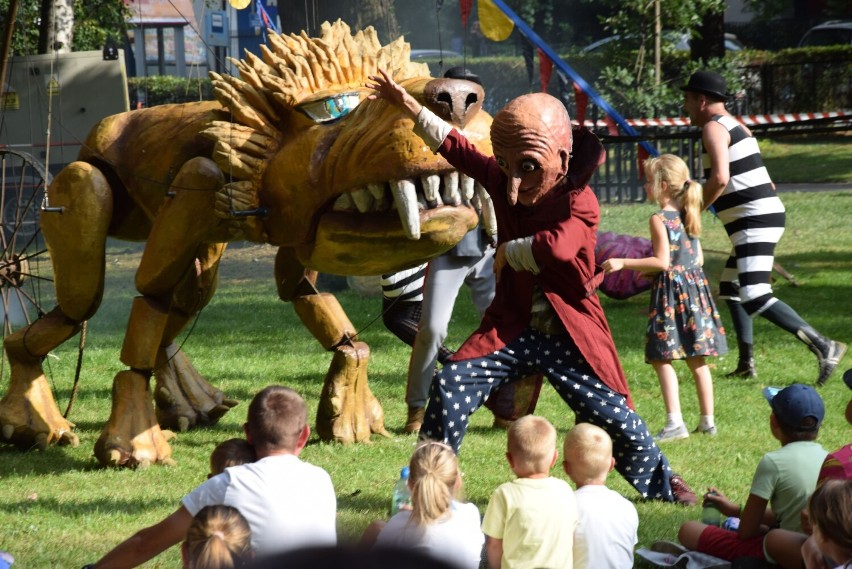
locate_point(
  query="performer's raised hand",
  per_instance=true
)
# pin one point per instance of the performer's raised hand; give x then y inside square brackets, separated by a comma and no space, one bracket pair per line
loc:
[394,93]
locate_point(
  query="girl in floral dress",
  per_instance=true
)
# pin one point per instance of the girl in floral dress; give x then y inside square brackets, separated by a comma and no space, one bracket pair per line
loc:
[683,323]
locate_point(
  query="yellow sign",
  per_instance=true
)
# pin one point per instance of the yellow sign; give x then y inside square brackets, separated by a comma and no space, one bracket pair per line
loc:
[239,4]
[10,101]
[52,86]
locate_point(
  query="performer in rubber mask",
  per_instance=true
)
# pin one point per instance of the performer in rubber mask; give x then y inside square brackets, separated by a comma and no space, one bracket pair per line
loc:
[545,316]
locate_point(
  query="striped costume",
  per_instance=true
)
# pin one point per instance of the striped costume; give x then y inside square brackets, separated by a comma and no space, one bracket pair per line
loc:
[754,218]
[402,305]
[407,284]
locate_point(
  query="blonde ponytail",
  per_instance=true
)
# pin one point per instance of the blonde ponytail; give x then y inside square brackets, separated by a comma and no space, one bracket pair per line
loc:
[691,204]
[218,538]
[674,172]
[434,474]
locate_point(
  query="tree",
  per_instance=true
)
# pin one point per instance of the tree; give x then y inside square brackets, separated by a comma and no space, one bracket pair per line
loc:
[26,27]
[626,77]
[298,15]
[56,28]
[709,42]
[93,22]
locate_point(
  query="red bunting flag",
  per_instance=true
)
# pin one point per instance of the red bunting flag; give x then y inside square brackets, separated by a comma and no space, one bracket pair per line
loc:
[545,70]
[641,156]
[611,127]
[581,99]
[464,8]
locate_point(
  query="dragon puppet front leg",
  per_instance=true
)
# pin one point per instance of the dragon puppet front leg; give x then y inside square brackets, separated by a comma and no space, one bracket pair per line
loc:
[176,277]
[348,411]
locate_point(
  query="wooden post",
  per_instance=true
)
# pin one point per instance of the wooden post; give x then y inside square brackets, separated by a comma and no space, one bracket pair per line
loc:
[7,42]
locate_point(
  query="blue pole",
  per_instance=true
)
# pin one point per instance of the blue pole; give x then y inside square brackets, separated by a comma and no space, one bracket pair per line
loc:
[569,71]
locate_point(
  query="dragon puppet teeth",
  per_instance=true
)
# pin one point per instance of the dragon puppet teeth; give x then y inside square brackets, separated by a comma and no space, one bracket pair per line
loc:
[450,193]
[363,200]
[489,218]
[431,189]
[380,201]
[343,203]
[405,196]
[467,184]
[409,196]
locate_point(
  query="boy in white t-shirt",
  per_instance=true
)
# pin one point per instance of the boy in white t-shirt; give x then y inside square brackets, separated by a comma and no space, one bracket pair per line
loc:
[288,503]
[606,532]
[530,521]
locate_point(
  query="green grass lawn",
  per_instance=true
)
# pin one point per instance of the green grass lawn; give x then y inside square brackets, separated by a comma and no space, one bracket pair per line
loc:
[60,509]
[808,159]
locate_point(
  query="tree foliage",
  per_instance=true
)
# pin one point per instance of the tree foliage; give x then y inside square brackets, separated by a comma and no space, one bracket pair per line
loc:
[94,21]
[26,27]
[298,15]
[626,78]
[97,20]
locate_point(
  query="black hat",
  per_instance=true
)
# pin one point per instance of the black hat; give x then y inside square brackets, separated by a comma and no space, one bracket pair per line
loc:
[462,73]
[707,83]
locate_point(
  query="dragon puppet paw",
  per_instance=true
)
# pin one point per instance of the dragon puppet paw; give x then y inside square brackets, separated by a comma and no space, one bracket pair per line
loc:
[132,438]
[348,411]
[29,417]
[184,398]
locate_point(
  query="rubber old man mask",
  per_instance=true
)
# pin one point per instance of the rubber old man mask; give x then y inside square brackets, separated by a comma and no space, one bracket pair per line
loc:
[531,138]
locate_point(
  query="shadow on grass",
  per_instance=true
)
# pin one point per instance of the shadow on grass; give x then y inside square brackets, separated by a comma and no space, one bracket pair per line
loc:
[53,460]
[359,501]
[79,509]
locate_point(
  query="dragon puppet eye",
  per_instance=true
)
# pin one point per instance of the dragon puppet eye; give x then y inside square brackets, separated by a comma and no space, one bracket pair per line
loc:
[332,108]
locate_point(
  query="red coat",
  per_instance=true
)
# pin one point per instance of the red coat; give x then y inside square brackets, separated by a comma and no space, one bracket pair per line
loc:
[564,224]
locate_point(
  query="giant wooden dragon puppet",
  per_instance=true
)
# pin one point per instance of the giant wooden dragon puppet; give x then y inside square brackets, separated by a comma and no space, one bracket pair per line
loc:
[291,153]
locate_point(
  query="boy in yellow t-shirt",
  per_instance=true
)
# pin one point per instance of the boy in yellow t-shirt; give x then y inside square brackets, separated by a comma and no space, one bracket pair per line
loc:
[530,521]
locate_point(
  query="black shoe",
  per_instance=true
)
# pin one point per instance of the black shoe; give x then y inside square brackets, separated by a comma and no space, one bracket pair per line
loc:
[828,352]
[745,362]
[745,369]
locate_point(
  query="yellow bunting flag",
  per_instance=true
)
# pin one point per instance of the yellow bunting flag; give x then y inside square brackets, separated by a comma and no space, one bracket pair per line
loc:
[495,25]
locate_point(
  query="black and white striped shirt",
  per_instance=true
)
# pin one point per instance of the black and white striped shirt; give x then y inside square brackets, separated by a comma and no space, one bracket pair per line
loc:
[407,285]
[749,192]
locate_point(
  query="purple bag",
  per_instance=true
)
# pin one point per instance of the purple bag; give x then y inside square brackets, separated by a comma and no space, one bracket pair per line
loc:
[624,283]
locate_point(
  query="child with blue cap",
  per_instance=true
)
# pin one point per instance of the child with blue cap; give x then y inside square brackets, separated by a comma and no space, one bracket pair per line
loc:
[781,485]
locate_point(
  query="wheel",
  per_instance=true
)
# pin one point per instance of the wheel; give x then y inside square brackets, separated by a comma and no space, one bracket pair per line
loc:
[25,270]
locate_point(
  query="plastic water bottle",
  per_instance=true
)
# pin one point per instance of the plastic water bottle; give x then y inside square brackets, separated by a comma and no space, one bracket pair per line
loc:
[710,514]
[401,494]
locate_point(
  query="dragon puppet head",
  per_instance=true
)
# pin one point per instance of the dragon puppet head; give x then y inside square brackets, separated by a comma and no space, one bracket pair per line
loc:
[344,179]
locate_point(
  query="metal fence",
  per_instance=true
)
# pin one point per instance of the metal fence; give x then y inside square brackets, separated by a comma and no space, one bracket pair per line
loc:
[618,179]
[797,87]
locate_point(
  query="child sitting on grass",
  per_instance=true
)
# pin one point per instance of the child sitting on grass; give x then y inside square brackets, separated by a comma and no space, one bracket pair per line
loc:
[530,521]
[219,537]
[830,509]
[436,524]
[608,523]
[784,479]
[232,452]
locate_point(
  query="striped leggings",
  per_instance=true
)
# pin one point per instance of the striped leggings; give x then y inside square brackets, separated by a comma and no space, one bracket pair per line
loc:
[745,278]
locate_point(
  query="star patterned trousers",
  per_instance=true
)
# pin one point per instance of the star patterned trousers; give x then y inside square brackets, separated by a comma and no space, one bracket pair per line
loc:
[461,387]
